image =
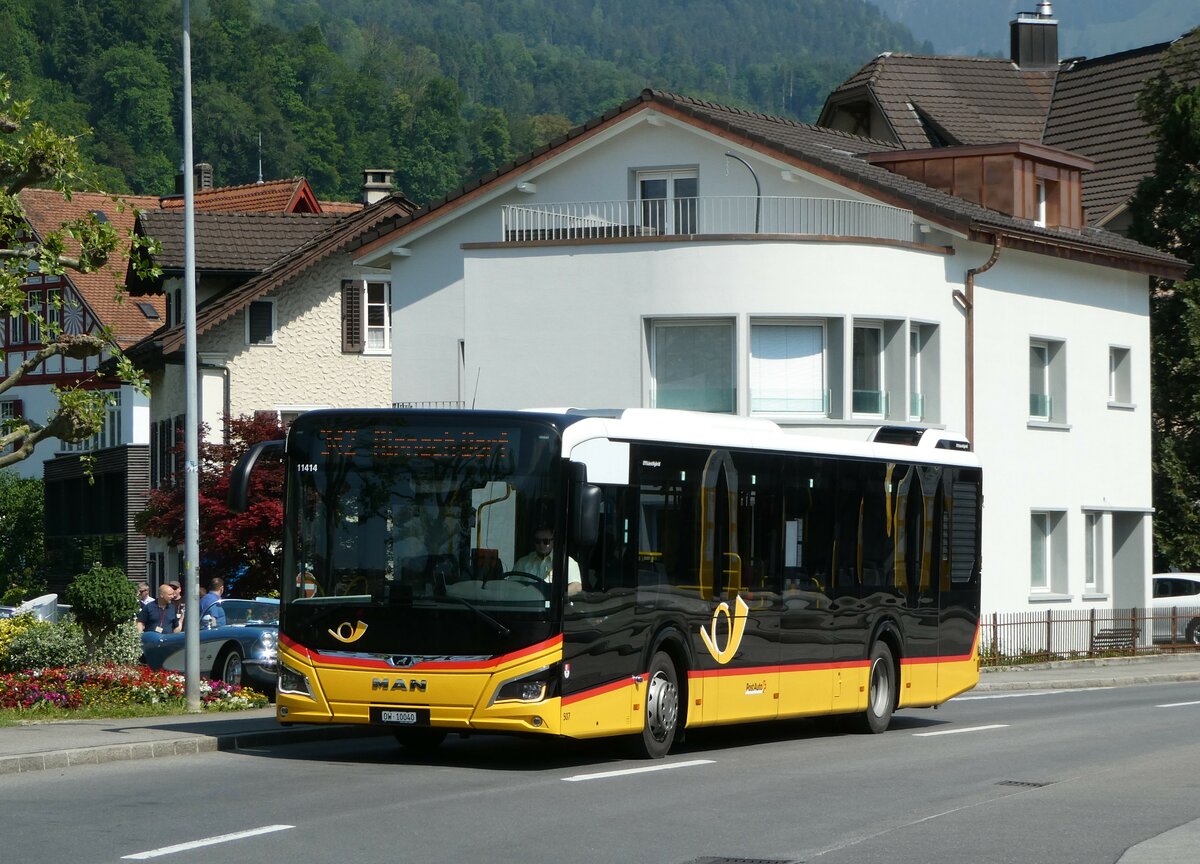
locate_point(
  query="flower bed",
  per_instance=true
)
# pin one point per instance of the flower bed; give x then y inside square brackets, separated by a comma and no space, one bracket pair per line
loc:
[115,686]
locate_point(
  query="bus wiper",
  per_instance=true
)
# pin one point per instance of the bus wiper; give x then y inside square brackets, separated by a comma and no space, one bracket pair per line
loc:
[501,631]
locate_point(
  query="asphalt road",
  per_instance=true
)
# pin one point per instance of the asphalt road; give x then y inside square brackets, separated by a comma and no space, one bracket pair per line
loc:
[1063,776]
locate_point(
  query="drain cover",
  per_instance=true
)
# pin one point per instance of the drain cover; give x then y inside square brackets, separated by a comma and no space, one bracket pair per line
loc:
[1024,784]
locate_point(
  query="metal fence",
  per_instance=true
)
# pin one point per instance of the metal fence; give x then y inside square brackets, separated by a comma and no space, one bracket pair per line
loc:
[658,217]
[1057,634]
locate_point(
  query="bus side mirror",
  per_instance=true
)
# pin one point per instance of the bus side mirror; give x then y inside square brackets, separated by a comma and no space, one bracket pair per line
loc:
[585,525]
[239,478]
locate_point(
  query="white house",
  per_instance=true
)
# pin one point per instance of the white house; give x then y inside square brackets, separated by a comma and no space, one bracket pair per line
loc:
[677,253]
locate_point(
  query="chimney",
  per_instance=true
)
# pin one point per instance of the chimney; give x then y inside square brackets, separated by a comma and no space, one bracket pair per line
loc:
[377,184]
[1033,38]
[202,178]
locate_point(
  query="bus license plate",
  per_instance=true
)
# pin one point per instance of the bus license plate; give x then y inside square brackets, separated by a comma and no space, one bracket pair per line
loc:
[400,716]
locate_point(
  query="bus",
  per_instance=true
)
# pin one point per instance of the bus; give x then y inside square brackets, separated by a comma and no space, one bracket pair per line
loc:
[703,570]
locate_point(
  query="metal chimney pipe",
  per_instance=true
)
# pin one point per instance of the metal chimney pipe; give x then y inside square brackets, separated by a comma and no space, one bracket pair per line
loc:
[1044,10]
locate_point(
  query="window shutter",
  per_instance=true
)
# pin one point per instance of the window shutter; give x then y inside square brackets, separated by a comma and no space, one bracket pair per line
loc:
[352,316]
[261,323]
[153,455]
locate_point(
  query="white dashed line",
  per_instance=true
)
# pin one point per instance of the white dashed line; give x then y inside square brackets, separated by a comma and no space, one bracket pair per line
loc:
[209,841]
[956,731]
[604,775]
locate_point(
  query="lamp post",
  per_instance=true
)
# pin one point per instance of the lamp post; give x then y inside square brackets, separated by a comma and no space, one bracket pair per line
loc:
[757,190]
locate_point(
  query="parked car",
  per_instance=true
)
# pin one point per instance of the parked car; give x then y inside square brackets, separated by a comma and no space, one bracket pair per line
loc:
[1176,604]
[242,651]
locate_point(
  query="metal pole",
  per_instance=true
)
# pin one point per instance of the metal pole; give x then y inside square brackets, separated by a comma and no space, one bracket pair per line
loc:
[191,485]
[757,190]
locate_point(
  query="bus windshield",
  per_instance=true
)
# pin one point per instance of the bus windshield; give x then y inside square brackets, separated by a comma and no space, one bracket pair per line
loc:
[419,512]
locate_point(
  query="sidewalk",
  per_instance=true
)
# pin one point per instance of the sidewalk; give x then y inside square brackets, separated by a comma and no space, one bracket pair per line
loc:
[65,743]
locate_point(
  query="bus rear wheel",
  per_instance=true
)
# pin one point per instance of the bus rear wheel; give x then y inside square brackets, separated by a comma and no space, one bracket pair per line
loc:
[881,690]
[662,709]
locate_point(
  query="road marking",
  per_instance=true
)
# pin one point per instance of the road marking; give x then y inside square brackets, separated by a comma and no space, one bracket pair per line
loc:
[956,731]
[602,775]
[209,841]
[1177,704]
[1031,693]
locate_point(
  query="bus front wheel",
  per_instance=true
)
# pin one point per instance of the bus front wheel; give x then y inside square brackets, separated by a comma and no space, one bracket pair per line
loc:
[662,708]
[881,690]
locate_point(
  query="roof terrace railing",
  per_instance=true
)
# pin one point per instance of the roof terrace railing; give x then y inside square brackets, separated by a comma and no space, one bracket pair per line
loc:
[663,217]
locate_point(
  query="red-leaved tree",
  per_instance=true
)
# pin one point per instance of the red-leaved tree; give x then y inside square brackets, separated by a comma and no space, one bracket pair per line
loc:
[242,548]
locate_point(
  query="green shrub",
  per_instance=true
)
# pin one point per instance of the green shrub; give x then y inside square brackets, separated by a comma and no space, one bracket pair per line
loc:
[9,628]
[122,646]
[102,598]
[44,645]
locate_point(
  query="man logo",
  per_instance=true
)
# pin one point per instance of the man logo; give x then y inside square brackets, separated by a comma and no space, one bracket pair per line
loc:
[735,625]
[413,685]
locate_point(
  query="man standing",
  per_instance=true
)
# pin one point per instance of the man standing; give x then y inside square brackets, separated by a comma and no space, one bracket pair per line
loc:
[210,603]
[159,616]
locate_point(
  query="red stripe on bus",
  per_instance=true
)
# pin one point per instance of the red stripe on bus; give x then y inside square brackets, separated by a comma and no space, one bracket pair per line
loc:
[597,691]
[448,665]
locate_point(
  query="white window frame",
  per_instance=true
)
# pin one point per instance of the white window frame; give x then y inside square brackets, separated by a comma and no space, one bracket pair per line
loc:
[1095,553]
[755,368]
[880,369]
[1120,378]
[1040,204]
[657,324]
[670,209]
[384,330]
[1047,554]
[1047,380]
[270,340]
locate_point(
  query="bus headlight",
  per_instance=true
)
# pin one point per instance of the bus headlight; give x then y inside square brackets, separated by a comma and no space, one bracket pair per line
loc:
[531,687]
[292,681]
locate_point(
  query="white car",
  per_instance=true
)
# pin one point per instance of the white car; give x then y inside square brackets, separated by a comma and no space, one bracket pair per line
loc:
[1176,606]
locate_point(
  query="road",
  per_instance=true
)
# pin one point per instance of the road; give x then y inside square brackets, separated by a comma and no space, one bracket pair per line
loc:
[1063,776]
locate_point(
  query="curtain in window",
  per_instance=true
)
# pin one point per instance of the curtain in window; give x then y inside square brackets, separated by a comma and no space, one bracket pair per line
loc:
[787,368]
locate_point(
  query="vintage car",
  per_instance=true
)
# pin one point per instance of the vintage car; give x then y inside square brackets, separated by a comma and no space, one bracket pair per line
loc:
[240,651]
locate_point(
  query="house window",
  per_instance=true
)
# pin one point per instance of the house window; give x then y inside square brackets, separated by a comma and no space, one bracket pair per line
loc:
[260,323]
[869,396]
[366,317]
[1039,217]
[379,317]
[692,365]
[1047,553]
[667,201]
[1119,378]
[111,432]
[10,409]
[1094,553]
[787,368]
[1047,381]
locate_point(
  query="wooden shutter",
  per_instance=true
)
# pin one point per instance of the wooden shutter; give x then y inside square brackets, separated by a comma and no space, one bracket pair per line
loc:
[352,316]
[153,455]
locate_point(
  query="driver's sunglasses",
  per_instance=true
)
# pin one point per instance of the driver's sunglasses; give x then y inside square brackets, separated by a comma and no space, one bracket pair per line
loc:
[546,540]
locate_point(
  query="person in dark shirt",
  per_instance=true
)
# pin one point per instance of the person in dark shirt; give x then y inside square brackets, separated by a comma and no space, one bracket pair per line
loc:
[210,603]
[159,616]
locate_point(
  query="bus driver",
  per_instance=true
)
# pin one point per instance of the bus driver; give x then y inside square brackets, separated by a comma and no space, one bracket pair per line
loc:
[539,562]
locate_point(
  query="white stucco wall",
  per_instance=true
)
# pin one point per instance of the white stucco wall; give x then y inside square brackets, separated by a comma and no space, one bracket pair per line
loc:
[304,368]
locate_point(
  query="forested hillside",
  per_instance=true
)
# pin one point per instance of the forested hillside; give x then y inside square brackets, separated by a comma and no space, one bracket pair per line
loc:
[440,90]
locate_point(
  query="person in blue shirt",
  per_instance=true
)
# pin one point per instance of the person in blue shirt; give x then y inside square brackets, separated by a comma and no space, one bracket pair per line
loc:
[210,603]
[160,617]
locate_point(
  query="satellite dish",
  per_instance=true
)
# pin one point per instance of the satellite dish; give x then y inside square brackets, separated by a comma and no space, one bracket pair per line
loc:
[44,608]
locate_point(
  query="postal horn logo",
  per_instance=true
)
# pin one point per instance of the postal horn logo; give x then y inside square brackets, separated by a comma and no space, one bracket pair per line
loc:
[735,624]
[347,632]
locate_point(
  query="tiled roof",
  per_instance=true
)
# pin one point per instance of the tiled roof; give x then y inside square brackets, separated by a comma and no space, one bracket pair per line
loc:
[341,208]
[46,210]
[232,242]
[970,100]
[272,196]
[1095,113]
[835,154]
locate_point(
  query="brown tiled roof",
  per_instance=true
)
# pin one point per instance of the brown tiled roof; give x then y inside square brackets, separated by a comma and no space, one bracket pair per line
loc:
[271,196]
[336,235]
[1095,112]
[232,242]
[341,208]
[969,100]
[834,154]
[46,210]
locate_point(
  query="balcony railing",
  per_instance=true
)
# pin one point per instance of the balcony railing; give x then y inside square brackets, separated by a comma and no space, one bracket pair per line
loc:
[662,217]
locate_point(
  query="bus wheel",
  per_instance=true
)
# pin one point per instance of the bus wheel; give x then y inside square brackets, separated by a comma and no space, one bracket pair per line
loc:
[662,708]
[421,740]
[881,690]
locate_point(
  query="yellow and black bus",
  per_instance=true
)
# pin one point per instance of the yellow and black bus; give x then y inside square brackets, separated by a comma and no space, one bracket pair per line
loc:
[694,570]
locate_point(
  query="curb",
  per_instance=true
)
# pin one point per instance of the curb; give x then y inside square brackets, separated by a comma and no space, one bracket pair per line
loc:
[188,745]
[1082,683]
